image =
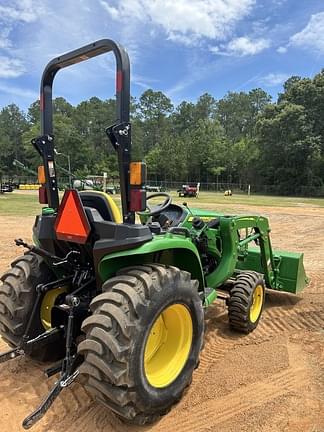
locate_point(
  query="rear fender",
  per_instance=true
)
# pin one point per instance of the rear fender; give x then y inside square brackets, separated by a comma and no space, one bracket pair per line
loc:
[168,249]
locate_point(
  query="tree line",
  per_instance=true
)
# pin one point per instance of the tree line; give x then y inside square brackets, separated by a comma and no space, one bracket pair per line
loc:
[243,138]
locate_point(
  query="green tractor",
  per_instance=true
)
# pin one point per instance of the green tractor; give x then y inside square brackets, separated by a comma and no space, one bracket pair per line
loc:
[118,302]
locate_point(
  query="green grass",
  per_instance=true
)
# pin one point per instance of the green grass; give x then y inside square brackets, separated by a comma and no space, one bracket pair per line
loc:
[20,204]
[26,203]
[214,198]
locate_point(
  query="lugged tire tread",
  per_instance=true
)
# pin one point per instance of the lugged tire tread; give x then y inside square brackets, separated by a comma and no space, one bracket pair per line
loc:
[88,369]
[123,298]
[115,312]
[114,298]
[100,321]
[132,297]
[100,364]
[110,342]
[16,284]
[129,280]
[91,345]
[239,301]
[113,393]
[17,294]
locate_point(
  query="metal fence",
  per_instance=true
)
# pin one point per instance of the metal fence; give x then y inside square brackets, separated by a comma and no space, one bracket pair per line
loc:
[240,188]
[237,188]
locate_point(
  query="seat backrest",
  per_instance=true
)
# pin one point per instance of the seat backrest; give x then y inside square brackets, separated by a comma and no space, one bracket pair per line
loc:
[103,203]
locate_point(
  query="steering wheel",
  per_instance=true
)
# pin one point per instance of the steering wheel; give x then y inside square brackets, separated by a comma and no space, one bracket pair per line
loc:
[154,211]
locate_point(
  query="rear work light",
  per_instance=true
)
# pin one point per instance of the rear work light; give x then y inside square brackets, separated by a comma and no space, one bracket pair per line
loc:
[72,223]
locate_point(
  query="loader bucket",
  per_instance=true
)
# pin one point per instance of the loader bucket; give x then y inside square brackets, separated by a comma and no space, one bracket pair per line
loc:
[289,266]
[292,277]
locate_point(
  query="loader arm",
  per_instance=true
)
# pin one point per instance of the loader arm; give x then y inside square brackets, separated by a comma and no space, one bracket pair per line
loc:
[283,271]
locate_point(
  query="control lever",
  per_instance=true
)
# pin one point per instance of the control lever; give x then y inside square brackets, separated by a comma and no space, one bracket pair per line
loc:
[57,261]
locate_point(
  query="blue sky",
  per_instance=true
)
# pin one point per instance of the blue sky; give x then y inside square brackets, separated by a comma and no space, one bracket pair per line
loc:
[181,47]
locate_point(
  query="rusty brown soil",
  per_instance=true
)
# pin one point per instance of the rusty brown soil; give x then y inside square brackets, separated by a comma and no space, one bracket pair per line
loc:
[270,380]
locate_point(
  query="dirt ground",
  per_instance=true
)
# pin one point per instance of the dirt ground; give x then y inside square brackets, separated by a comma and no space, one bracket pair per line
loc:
[270,380]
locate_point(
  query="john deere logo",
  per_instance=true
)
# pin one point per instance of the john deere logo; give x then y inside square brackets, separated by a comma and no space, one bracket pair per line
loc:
[204,218]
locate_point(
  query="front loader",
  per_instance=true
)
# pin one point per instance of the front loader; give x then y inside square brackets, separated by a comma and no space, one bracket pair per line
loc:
[116,301]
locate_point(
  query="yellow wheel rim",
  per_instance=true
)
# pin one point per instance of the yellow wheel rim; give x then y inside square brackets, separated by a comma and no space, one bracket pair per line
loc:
[46,307]
[168,346]
[256,307]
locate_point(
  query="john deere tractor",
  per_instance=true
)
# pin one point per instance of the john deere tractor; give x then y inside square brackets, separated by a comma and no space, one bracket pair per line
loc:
[118,300]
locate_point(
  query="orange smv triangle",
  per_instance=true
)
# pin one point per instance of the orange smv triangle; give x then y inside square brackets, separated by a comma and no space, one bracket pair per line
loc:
[72,223]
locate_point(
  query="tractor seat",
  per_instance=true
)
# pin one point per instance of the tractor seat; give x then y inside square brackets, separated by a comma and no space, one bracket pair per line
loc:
[103,204]
[108,231]
[93,215]
[111,237]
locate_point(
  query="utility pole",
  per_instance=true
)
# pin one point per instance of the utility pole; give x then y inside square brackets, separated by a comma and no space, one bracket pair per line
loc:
[104,187]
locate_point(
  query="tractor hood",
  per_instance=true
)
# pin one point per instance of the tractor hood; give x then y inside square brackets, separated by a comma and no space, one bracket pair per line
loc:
[205,215]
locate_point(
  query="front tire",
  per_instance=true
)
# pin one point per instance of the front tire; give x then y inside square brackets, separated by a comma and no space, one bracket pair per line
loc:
[143,341]
[246,301]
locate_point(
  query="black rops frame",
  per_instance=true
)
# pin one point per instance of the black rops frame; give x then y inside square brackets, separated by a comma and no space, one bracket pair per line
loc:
[120,131]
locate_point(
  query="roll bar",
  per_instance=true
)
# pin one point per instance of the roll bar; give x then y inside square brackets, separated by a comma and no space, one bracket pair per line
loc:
[120,132]
[77,56]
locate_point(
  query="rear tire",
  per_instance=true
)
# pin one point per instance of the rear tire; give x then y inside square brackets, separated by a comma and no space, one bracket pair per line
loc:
[118,368]
[17,297]
[246,301]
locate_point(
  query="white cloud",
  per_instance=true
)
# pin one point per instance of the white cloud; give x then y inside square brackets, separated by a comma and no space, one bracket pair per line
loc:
[244,46]
[279,2]
[274,79]
[10,67]
[13,13]
[113,12]
[312,36]
[241,46]
[4,37]
[213,19]
[216,50]
[282,50]
[4,42]
[21,10]
[183,39]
